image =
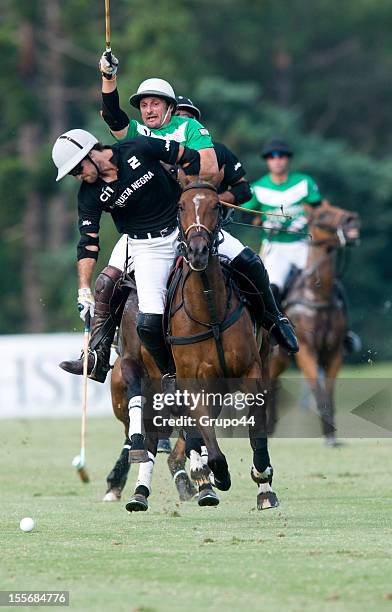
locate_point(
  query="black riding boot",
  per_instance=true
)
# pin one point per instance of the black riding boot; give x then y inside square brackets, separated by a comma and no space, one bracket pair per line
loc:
[109,304]
[149,328]
[250,265]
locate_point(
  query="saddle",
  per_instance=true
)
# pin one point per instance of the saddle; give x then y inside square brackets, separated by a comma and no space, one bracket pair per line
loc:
[292,276]
[338,299]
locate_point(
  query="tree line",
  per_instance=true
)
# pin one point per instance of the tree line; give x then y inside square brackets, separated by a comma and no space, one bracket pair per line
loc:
[317,74]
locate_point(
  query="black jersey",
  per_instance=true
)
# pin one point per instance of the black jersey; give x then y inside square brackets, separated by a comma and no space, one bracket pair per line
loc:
[233,169]
[143,198]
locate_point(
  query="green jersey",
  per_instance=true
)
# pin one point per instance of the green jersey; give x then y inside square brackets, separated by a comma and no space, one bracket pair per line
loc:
[288,198]
[185,131]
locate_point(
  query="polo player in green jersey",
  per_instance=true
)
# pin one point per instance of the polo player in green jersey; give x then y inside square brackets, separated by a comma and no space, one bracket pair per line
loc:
[294,194]
[156,101]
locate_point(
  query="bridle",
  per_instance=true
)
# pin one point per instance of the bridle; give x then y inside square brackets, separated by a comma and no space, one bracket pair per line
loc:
[210,236]
[335,241]
[335,231]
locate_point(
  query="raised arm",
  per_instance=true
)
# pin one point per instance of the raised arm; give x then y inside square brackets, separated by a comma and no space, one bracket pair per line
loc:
[113,115]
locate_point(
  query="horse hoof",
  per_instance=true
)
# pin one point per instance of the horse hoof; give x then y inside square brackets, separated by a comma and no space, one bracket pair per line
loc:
[332,442]
[267,500]
[208,497]
[112,495]
[137,503]
[164,446]
[138,456]
[185,488]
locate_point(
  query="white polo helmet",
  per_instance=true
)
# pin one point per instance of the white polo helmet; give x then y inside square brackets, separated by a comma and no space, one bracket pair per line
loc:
[153,87]
[70,148]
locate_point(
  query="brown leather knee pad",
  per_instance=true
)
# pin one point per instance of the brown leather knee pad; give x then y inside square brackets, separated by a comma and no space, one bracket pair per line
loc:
[106,286]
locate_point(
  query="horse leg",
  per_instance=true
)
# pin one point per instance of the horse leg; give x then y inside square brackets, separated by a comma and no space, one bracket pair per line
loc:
[117,478]
[279,363]
[216,459]
[176,462]
[331,373]
[138,501]
[132,375]
[261,471]
[307,361]
[200,472]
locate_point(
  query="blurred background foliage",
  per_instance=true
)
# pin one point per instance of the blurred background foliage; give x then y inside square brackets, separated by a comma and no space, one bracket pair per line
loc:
[316,73]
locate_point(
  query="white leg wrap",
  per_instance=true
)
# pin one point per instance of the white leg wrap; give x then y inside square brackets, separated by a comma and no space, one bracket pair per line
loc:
[145,472]
[196,461]
[262,475]
[135,406]
[204,455]
[265,487]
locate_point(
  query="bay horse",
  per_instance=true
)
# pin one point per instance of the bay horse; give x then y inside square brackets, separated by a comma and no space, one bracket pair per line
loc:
[212,337]
[318,313]
[241,359]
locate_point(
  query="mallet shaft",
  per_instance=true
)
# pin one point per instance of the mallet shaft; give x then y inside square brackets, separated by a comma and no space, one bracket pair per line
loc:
[107,24]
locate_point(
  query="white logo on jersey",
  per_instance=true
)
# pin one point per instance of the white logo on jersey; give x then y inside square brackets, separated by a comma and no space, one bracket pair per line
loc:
[86,222]
[282,198]
[238,165]
[204,132]
[121,201]
[106,193]
[134,162]
[178,135]
[167,145]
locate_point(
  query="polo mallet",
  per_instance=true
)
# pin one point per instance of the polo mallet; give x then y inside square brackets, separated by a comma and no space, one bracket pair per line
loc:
[79,461]
[107,28]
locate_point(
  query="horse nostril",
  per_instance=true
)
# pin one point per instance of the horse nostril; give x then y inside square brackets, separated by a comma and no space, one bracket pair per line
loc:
[204,250]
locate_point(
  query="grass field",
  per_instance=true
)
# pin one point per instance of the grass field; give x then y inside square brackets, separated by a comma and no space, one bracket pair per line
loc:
[328,546]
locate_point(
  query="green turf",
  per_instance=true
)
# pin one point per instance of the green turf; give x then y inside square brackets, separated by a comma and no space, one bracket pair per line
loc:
[328,546]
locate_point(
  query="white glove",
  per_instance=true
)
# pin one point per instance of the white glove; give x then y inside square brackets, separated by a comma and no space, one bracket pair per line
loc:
[108,64]
[86,302]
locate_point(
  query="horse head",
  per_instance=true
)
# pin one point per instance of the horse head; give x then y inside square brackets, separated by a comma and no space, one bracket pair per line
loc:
[333,226]
[199,222]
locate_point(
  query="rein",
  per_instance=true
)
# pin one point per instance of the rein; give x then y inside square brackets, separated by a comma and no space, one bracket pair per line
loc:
[215,327]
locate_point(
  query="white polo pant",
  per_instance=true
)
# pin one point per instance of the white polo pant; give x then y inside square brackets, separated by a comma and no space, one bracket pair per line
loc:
[119,255]
[152,260]
[278,257]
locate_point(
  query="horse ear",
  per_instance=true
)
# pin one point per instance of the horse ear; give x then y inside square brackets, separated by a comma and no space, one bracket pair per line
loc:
[186,179]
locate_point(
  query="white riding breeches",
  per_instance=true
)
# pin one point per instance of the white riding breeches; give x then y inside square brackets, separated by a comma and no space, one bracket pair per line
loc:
[119,255]
[151,259]
[278,257]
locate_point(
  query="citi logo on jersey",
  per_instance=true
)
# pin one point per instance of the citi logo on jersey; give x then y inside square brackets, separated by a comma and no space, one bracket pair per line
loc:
[106,194]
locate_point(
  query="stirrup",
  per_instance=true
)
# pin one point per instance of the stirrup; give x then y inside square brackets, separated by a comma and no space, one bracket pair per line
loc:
[98,373]
[168,383]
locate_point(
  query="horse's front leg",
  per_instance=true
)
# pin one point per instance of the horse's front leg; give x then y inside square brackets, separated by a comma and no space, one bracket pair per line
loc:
[261,471]
[117,477]
[132,374]
[176,462]
[307,361]
[200,472]
[331,373]
[138,501]
[216,459]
